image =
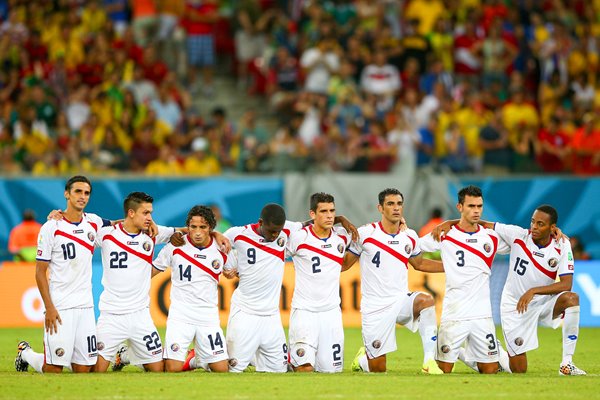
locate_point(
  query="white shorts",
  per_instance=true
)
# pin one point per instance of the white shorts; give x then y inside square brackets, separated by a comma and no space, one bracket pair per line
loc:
[317,338]
[75,341]
[256,339]
[209,344]
[137,328]
[520,330]
[379,327]
[478,335]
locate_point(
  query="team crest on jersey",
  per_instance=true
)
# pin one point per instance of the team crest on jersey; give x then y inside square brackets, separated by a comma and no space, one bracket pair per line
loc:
[445,349]
[376,344]
[100,346]
[280,242]
[91,236]
[519,341]
[175,347]
[60,352]
[233,362]
[216,264]
[39,252]
[341,248]
[487,247]
[147,246]
[553,262]
[300,352]
[407,249]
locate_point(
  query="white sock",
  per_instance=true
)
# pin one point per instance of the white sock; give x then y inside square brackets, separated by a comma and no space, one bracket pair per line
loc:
[470,364]
[428,332]
[195,363]
[363,361]
[36,360]
[570,333]
[503,359]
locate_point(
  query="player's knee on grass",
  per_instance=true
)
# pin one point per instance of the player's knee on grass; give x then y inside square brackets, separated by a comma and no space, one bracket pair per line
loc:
[518,364]
[158,366]
[52,369]
[377,364]
[488,368]
[422,302]
[219,366]
[77,368]
[173,365]
[304,368]
[445,367]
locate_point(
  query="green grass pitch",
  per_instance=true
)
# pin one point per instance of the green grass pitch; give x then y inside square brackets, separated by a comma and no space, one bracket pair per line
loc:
[403,381]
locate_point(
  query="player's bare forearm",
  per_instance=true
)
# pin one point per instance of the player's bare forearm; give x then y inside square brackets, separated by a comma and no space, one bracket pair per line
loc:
[155,271]
[223,242]
[52,318]
[563,285]
[349,226]
[445,226]
[426,265]
[349,260]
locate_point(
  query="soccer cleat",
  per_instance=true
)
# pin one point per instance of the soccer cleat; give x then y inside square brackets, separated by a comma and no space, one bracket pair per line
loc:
[120,362]
[20,364]
[430,367]
[570,369]
[190,356]
[355,363]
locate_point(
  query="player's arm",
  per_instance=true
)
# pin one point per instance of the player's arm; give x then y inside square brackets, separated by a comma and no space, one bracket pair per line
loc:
[426,265]
[41,278]
[564,284]
[222,241]
[349,260]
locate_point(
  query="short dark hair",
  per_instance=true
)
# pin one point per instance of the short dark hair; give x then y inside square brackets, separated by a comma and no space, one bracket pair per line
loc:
[470,190]
[320,197]
[75,179]
[134,199]
[436,213]
[204,212]
[273,213]
[551,211]
[389,192]
[28,215]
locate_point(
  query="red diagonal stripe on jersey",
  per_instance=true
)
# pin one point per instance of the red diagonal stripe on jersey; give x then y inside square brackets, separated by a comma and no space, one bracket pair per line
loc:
[486,259]
[277,253]
[75,239]
[338,260]
[197,264]
[147,258]
[389,250]
[549,274]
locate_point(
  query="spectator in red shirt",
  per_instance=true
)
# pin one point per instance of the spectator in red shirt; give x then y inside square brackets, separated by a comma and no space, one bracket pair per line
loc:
[553,147]
[198,21]
[586,147]
[154,69]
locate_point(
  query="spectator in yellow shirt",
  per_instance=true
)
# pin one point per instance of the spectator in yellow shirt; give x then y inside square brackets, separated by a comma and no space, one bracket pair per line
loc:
[200,162]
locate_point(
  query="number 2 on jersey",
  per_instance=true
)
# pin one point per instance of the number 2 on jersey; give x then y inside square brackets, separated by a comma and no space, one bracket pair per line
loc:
[316,263]
[118,259]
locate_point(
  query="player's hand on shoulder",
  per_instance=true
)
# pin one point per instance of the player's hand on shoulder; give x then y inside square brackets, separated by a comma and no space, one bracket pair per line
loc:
[177,239]
[559,235]
[403,225]
[55,215]
[349,227]
[152,230]
[440,231]
[230,273]
[222,241]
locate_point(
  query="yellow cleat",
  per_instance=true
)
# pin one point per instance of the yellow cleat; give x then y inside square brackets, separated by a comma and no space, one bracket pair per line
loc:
[355,367]
[430,367]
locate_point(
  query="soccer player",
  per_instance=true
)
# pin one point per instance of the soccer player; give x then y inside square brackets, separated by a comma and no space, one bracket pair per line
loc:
[124,304]
[316,331]
[531,294]
[65,247]
[468,251]
[260,263]
[194,314]
[385,252]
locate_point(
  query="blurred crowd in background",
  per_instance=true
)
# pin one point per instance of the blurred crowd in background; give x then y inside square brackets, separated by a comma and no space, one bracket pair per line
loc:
[470,86]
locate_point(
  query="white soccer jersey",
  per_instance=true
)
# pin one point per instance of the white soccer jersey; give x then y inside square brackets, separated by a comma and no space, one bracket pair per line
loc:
[69,247]
[318,264]
[195,276]
[127,268]
[467,259]
[260,267]
[383,264]
[531,266]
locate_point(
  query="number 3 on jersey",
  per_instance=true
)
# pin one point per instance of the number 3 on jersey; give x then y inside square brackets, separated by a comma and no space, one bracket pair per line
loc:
[461,258]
